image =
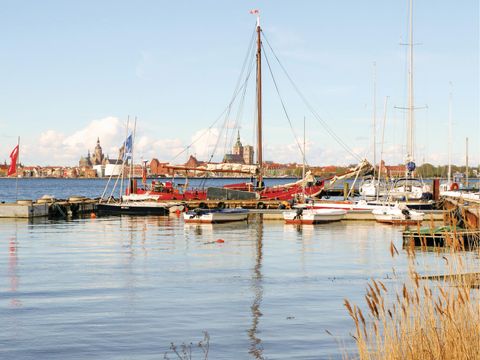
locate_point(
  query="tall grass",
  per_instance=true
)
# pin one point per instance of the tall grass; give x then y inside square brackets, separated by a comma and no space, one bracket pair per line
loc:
[426,317]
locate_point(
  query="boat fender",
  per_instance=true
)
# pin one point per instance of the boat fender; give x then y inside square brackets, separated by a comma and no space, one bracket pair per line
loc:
[260,205]
[454,186]
[221,205]
[202,205]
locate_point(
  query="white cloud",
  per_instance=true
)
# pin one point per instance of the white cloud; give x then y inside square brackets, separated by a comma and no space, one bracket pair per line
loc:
[56,148]
[204,142]
[164,149]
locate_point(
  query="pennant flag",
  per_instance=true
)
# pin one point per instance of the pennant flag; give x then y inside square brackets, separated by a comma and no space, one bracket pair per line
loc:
[127,148]
[13,161]
[254,11]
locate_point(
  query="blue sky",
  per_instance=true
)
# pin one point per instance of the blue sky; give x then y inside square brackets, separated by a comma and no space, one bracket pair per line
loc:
[72,71]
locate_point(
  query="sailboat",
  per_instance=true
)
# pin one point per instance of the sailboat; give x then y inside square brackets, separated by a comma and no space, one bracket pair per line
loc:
[371,187]
[254,189]
[410,189]
[306,213]
[450,186]
[127,205]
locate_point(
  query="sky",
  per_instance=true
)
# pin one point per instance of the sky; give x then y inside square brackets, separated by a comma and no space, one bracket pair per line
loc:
[75,71]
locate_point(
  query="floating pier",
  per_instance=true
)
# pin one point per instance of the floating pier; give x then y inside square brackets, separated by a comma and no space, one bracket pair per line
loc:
[48,207]
[444,236]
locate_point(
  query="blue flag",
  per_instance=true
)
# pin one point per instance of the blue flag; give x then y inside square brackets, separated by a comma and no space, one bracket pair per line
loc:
[127,148]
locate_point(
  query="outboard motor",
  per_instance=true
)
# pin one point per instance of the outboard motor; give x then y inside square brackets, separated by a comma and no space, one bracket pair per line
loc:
[406,213]
[299,213]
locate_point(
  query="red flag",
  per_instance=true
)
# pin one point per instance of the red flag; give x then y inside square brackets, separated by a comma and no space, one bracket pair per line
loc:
[254,11]
[13,161]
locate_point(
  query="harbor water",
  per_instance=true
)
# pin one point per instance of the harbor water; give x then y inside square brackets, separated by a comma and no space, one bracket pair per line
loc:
[128,287]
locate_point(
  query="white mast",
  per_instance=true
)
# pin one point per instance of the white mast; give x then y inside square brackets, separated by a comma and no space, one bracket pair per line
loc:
[466,163]
[16,168]
[303,168]
[381,151]
[411,119]
[449,175]
[124,158]
[374,116]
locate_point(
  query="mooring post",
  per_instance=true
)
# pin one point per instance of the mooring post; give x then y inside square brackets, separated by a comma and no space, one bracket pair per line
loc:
[436,189]
[345,190]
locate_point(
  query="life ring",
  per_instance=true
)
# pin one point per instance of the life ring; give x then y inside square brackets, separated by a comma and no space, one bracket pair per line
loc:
[454,186]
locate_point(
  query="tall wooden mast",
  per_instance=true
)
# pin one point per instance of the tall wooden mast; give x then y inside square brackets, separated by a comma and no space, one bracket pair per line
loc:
[259,103]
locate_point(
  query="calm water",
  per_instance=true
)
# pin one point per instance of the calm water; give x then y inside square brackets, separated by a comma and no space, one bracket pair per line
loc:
[126,287]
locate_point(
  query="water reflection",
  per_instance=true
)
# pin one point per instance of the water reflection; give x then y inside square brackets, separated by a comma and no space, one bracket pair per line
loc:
[256,347]
[12,270]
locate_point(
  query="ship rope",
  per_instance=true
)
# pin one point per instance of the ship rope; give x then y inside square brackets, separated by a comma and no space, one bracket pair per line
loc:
[322,122]
[226,111]
[283,105]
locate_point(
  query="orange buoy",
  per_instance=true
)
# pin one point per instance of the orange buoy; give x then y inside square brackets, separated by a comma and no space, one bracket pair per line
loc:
[93,215]
[220,241]
[454,186]
[177,212]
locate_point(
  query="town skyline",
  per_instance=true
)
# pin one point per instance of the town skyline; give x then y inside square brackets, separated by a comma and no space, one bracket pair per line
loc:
[97,164]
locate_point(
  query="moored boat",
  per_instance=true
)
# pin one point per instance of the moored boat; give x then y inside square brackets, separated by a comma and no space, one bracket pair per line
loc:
[133,208]
[398,215]
[347,205]
[215,215]
[302,215]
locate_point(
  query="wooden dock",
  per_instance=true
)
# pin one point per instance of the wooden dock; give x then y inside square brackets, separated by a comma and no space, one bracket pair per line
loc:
[77,205]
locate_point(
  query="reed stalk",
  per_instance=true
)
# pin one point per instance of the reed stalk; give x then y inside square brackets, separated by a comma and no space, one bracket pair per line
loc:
[426,317]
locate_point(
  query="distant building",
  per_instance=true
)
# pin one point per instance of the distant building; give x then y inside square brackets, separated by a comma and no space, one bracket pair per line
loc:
[393,170]
[101,164]
[4,169]
[192,162]
[240,154]
[93,159]
[248,154]
[159,168]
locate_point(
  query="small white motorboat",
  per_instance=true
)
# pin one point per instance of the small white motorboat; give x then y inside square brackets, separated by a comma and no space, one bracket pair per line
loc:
[398,215]
[207,216]
[303,215]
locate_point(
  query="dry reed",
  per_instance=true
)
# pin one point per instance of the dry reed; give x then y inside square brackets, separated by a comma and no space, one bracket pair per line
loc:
[427,317]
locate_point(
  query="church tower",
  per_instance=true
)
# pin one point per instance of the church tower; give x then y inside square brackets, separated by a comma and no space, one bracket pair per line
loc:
[238,148]
[97,157]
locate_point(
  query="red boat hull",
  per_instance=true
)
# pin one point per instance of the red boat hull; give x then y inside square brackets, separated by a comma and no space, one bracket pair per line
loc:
[280,193]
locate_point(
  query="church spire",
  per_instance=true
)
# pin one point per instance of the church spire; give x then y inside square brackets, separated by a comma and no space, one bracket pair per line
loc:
[238,143]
